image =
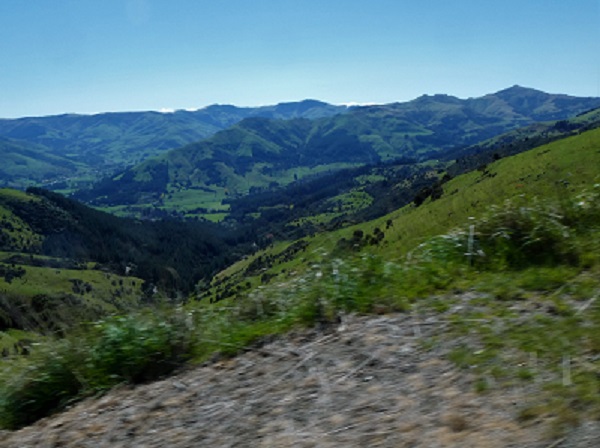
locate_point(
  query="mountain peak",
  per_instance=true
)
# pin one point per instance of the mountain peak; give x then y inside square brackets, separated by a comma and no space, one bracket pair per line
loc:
[306,102]
[438,97]
[519,90]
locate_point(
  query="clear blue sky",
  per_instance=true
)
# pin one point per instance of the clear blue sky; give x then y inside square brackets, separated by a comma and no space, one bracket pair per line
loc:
[88,56]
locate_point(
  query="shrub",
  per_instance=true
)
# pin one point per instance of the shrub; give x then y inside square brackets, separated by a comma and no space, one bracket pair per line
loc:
[519,234]
[135,349]
[128,349]
[516,236]
[46,385]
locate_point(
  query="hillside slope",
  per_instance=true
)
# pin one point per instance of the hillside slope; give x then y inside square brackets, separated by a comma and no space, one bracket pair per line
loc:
[28,164]
[62,263]
[360,194]
[551,171]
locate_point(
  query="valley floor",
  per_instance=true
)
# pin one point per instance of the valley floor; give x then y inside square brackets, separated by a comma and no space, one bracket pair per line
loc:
[371,381]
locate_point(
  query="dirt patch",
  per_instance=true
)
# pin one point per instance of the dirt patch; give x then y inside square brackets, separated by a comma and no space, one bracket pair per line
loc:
[369,382]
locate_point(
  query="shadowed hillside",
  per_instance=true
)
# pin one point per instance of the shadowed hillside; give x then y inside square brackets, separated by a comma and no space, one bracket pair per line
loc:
[62,263]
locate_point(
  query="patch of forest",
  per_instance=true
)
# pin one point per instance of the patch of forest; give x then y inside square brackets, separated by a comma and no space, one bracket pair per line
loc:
[172,255]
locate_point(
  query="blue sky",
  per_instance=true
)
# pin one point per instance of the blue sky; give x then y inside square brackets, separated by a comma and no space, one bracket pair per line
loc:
[86,56]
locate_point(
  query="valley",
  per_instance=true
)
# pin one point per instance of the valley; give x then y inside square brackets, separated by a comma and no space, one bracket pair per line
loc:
[465,232]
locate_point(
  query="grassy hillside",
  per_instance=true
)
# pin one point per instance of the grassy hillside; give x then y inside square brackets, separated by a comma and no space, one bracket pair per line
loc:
[26,164]
[514,271]
[552,171]
[44,294]
[360,194]
[519,140]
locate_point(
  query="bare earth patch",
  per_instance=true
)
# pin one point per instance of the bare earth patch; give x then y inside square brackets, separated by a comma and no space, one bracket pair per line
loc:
[369,382]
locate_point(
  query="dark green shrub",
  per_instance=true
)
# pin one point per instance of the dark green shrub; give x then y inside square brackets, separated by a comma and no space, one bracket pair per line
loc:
[135,349]
[128,349]
[46,385]
[519,234]
[516,236]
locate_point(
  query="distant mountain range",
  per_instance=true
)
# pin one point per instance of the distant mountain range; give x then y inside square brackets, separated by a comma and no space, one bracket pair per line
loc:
[88,146]
[193,162]
[259,153]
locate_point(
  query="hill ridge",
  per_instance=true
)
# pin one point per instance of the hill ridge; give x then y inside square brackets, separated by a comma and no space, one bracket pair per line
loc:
[261,153]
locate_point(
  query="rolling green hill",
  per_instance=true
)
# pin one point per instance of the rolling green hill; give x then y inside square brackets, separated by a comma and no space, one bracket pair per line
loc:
[521,139]
[259,154]
[94,145]
[26,164]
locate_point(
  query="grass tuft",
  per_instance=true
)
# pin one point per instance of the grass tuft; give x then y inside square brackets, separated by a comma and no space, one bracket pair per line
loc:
[129,349]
